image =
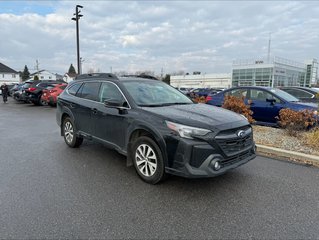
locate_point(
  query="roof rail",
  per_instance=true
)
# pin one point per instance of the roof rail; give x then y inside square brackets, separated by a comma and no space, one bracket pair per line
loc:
[96,75]
[141,76]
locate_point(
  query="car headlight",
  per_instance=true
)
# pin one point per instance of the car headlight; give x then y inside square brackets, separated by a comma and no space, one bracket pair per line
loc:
[186,131]
[244,116]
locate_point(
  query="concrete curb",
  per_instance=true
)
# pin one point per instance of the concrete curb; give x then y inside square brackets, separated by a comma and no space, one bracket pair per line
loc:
[288,155]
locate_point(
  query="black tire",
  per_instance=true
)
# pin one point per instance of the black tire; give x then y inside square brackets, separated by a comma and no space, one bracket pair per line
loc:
[43,103]
[152,170]
[69,133]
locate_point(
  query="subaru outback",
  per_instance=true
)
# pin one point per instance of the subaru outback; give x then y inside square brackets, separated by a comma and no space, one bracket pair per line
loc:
[159,129]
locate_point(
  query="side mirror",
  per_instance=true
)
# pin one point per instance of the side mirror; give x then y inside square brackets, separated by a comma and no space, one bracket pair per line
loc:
[271,100]
[112,103]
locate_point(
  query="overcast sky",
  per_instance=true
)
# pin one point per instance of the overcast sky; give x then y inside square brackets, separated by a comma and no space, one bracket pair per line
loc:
[134,36]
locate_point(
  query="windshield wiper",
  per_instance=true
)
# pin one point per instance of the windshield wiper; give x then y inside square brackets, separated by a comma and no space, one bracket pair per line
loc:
[163,104]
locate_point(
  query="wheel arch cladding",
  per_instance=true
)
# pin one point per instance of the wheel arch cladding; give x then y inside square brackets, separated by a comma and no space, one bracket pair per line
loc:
[148,133]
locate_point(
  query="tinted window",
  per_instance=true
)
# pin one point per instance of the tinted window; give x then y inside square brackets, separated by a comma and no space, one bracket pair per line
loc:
[42,84]
[299,93]
[284,95]
[75,87]
[89,91]
[26,85]
[240,93]
[261,95]
[109,91]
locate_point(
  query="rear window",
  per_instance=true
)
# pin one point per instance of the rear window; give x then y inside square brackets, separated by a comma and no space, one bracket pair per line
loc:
[26,85]
[74,88]
[89,90]
[62,87]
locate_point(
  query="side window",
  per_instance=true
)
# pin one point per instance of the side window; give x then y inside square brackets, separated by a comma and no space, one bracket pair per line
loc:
[89,90]
[109,91]
[74,88]
[237,93]
[261,95]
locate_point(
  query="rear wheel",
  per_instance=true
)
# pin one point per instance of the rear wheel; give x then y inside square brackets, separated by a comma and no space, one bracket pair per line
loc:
[43,103]
[148,160]
[69,133]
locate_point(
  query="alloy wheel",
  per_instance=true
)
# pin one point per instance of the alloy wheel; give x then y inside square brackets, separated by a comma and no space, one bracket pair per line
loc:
[68,132]
[146,160]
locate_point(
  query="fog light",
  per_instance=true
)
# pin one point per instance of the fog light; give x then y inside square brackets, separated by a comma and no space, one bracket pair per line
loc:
[217,166]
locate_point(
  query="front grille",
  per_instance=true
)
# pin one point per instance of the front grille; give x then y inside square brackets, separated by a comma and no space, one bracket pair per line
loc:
[232,144]
[229,161]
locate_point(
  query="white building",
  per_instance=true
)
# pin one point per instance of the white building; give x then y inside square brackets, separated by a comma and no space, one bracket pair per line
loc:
[69,77]
[221,80]
[274,72]
[8,75]
[44,75]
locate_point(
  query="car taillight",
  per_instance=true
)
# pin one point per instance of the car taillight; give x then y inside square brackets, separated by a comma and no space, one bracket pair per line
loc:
[31,89]
[52,91]
[208,98]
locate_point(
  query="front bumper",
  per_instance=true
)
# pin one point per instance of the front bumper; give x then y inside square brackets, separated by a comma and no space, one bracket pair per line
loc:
[196,159]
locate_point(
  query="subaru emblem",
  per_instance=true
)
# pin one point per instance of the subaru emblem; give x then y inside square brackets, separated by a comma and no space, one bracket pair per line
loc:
[241,133]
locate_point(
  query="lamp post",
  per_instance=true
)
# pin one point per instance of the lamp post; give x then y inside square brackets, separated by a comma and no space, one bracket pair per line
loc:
[76,19]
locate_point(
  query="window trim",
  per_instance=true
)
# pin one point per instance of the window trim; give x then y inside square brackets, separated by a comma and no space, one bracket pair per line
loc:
[83,82]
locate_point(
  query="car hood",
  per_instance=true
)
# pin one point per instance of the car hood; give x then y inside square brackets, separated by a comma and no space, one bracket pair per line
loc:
[200,115]
[305,105]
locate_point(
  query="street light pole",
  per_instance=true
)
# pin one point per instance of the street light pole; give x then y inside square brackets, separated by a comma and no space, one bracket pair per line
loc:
[76,19]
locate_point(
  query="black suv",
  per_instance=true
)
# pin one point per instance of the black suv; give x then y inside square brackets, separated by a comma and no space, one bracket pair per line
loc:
[158,128]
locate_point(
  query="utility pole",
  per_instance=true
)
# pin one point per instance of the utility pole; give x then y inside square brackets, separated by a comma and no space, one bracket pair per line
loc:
[162,72]
[76,19]
[268,56]
[37,67]
[81,64]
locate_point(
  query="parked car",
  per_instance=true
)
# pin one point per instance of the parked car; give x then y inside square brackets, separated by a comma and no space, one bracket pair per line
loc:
[158,128]
[34,92]
[304,94]
[51,93]
[185,90]
[265,102]
[14,88]
[201,92]
[20,94]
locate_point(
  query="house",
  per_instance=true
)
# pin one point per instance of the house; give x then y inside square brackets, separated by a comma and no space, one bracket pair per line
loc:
[45,75]
[8,75]
[69,77]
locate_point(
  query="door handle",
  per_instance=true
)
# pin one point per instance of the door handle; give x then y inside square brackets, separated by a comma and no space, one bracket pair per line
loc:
[94,110]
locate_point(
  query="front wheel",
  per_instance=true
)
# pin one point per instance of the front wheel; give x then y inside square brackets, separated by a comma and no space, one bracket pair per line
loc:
[69,134]
[148,160]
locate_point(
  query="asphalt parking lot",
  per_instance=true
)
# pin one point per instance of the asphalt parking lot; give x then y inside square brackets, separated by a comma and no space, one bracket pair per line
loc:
[48,190]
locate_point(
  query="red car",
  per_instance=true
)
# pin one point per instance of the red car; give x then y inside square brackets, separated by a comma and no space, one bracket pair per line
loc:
[50,94]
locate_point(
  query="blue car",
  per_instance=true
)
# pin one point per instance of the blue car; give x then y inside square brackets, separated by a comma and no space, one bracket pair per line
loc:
[265,102]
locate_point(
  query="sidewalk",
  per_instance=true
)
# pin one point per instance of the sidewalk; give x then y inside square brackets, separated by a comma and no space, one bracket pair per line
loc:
[288,155]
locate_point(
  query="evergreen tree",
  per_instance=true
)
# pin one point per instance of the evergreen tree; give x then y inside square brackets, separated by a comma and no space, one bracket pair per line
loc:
[71,69]
[25,75]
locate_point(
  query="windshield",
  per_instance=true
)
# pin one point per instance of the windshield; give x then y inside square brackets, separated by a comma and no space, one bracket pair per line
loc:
[284,95]
[155,93]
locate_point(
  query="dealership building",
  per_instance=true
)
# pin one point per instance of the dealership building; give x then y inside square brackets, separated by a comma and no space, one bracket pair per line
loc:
[221,80]
[274,72]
